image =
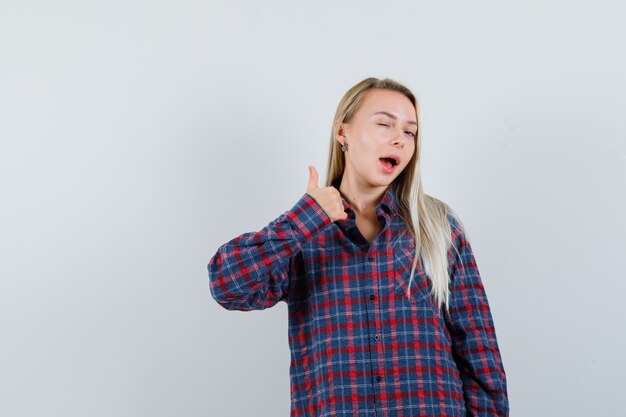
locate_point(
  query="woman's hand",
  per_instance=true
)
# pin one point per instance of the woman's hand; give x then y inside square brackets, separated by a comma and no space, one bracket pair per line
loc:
[327,197]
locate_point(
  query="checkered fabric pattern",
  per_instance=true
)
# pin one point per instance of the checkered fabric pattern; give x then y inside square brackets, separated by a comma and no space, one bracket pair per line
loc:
[359,346]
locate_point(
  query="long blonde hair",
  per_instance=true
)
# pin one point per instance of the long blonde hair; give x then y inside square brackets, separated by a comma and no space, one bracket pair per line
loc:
[433,234]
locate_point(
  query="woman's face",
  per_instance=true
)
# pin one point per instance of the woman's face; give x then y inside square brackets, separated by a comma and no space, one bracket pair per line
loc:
[384,125]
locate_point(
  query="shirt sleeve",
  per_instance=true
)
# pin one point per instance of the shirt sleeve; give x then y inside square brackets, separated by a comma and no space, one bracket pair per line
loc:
[251,271]
[474,344]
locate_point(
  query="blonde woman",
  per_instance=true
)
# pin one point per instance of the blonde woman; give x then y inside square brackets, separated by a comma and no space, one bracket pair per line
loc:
[388,315]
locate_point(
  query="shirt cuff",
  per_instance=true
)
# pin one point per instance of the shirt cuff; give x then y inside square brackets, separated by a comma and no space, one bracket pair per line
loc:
[308,216]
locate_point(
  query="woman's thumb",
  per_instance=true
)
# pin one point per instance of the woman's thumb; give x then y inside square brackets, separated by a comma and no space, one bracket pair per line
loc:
[312,179]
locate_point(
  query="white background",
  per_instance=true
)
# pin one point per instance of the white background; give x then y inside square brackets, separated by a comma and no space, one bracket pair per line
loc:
[138,136]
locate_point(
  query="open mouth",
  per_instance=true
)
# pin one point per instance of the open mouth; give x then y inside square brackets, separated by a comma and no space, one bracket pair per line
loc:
[390,162]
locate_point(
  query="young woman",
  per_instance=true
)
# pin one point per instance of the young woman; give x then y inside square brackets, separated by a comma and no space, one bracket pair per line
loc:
[388,315]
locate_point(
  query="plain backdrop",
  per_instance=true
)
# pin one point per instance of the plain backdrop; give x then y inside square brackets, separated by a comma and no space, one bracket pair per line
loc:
[139,136]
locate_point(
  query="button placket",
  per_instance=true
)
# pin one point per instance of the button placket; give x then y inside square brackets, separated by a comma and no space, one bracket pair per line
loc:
[369,259]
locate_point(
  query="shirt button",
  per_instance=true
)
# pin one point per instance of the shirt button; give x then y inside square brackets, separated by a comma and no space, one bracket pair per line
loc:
[370,258]
[376,337]
[378,378]
[372,297]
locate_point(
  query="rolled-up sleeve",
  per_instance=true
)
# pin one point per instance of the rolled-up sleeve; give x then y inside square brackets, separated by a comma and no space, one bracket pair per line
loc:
[472,330]
[251,271]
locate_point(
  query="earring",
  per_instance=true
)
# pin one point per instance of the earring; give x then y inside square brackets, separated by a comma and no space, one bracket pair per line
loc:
[344,148]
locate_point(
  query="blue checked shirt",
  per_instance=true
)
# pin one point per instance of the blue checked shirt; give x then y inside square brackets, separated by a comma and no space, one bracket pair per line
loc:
[359,346]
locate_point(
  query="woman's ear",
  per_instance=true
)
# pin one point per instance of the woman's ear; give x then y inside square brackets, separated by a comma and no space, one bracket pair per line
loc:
[342,133]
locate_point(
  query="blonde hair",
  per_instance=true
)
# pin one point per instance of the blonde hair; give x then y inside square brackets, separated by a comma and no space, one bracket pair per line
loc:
[426,217]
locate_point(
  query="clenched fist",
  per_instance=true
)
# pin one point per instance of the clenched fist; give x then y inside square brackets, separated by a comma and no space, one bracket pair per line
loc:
[327,197]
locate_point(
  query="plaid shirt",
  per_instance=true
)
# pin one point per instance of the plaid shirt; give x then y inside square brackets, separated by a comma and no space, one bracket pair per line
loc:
[359,346]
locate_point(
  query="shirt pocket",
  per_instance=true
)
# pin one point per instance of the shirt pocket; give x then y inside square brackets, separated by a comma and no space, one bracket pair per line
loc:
[420,286]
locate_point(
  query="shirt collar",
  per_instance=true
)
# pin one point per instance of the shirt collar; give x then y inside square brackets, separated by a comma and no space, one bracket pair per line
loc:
[388,203]
[390,200]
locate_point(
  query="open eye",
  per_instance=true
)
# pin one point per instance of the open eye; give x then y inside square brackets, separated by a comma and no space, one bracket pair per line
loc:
[412,134]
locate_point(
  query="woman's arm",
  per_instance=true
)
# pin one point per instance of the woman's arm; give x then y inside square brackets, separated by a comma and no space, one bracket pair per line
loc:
[251,271]
[474,344]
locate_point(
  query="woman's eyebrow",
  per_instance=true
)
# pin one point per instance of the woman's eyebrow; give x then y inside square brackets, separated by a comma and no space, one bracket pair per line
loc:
[393,117]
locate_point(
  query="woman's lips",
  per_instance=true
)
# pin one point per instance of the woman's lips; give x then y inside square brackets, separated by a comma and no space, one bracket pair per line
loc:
[387,167]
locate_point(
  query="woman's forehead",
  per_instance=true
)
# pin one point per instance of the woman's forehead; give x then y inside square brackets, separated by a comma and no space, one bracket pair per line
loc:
[389,103]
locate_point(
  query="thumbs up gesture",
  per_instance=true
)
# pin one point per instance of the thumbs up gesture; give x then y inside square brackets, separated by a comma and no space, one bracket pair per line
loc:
[327,197]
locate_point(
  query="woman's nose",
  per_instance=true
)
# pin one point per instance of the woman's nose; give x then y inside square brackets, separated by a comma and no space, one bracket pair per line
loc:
[398,136]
